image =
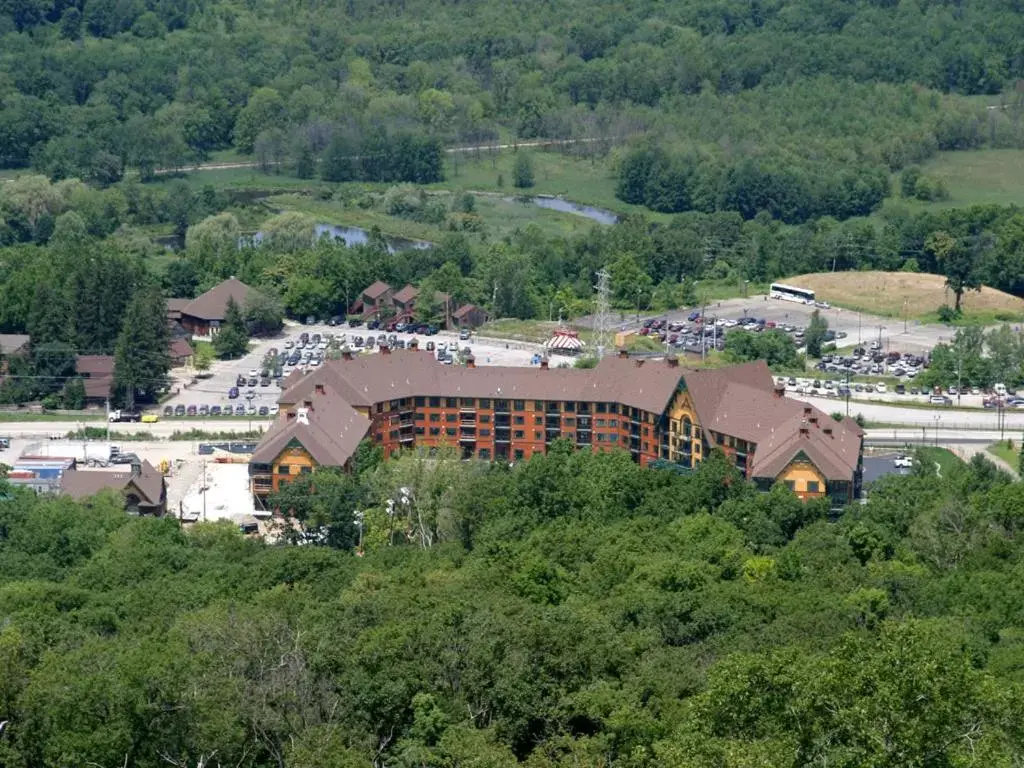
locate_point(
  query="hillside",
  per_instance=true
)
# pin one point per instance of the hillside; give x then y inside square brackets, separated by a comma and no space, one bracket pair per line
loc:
[899,294]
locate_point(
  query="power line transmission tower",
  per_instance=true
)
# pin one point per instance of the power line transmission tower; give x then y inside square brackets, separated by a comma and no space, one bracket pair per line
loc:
[602,313]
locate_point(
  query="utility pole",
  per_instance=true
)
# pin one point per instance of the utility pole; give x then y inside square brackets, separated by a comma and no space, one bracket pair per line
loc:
[602,318]
[204,490]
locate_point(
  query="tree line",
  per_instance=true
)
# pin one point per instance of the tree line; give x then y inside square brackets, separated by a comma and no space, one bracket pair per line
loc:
[575,609]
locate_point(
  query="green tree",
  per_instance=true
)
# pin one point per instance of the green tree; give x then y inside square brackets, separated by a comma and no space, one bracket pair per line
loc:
[73,395]
[141,358]
[264,111]
[957,261]
[263,314]
[522,171]
[232,339]
[814,336]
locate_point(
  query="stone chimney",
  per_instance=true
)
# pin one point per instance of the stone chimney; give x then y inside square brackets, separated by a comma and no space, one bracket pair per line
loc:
[805,432]
[471,362]
[413,344]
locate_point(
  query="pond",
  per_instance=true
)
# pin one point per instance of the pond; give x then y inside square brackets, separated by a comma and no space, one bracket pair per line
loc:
[352,236]
[600,215]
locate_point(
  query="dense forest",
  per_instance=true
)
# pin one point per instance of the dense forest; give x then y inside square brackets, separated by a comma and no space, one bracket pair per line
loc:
[575,610]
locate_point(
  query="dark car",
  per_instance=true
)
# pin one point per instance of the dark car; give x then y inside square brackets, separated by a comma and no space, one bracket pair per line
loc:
[693,316]
[265,382]
[252,381]
[215,410]
[240,381]
[190,411]
[423,330]
[430,346]
[169,410]
[373,325]
[239,410]
[336,320]
[179,410]
[204,410]
[900,389]
[264,410]
[354,323]
[233,393]
[648,322]
[125,458]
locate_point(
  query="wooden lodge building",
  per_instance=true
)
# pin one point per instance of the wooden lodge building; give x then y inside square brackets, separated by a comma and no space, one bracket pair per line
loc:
[656,410]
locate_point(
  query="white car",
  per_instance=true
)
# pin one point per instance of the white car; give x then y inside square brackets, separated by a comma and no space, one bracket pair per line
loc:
[903,462]
[880,387]
[253,373]
[274,409]
[289,344]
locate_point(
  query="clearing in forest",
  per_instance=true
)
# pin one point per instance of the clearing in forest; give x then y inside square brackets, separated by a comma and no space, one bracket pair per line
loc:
[906,294]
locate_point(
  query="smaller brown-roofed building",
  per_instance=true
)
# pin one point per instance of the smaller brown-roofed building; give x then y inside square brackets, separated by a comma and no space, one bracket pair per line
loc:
[181,352]
[469,316]
[405,300]
[97,372]
[175,307]
[204,314]
[373,300]
[144,488]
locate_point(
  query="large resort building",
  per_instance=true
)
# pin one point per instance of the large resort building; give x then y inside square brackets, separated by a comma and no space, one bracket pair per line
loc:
[656,410]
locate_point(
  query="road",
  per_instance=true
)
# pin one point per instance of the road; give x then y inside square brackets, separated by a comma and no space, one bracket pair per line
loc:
[161,429]
[932,418]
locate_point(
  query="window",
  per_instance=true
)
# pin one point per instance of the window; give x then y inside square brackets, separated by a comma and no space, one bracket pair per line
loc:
[570,421]
[419,430]
[538,405]
[450,431]
[538,420]
[600,437]
[435,431]
[570,407]
[435,402]
[393,434]
[518,454]
[393,405]
[380,407]
[613,407]
[601,422]
[485,454]
[538,435]
[647,432]
[569,435]
[583,407]
[790,484]
[613,438]
[518,420]
[421,401]
[418,416]
[307,470]
[485,433]
[435,417]
[601,407]
[613,423]
[485,402]
[467,402]
[484,418]
[451,417]
[812,486]
[518,434]
[451,402]
[519,405]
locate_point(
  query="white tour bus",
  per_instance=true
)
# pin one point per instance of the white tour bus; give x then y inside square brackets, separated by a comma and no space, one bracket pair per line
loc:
[791,293]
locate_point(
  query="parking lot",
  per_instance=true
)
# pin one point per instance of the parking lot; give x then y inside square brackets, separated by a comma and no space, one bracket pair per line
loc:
[852,328]
[256,392]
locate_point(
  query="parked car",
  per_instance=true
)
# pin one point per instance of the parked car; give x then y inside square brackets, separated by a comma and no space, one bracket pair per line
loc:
[940,400]
[150,418]
[215,410]
[903,462]
[265,382]
[179,410]
[240,381]
[190,410]
[373,325]
[168,410]
[239,410]
[204,410]
[264,410]
[430,346]
[233,393]
[275,409]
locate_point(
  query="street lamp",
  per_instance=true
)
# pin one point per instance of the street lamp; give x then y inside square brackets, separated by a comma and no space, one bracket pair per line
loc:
[357,518]
[937,417]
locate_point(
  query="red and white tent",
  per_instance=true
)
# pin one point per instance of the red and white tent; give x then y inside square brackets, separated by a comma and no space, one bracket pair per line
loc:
[566,342]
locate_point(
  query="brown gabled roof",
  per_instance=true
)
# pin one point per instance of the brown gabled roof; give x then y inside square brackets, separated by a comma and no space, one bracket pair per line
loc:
[368,379]
[180,349]
[464,310]
[13,342]
[406,295]
[213,304]
[376,290]
[98,374]
[330,433]
[832,446]
[80,484]
[177,305]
